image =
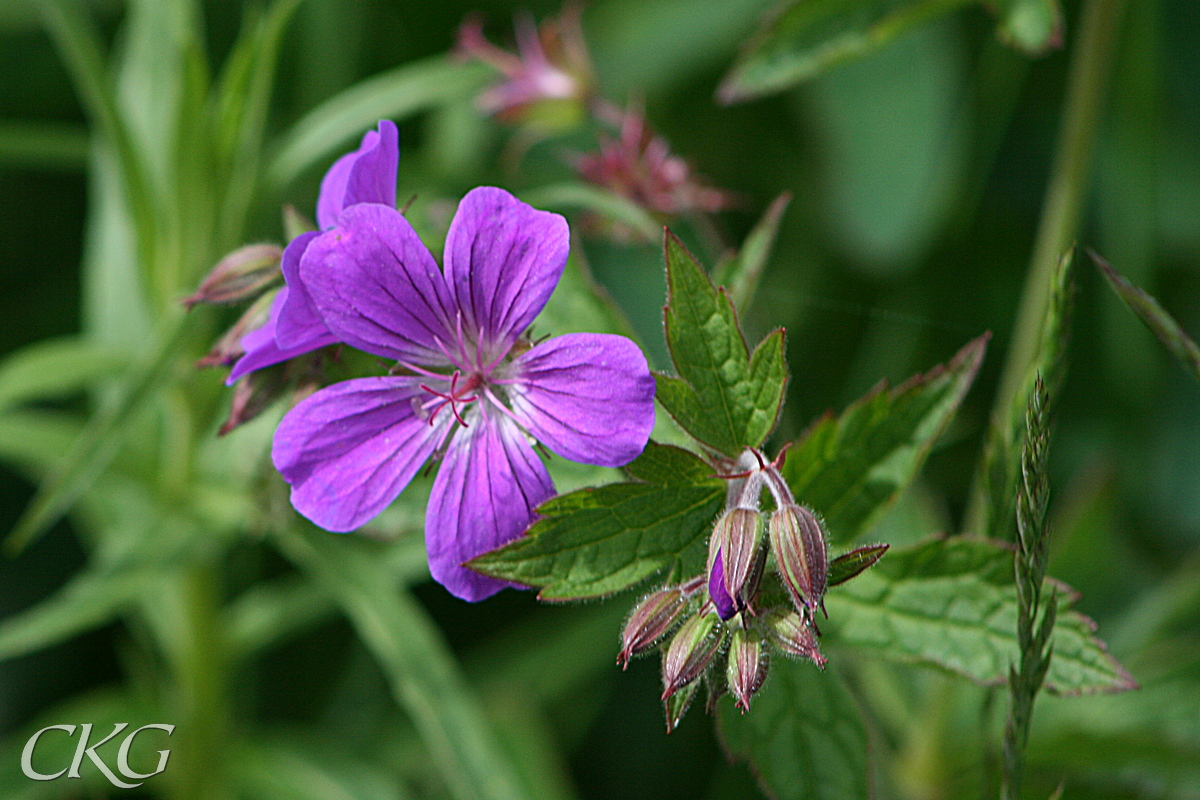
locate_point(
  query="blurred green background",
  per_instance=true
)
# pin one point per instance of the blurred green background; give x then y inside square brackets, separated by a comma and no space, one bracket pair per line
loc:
[918,173]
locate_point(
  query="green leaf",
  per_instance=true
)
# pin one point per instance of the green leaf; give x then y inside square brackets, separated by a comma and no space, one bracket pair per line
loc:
[1164,327]
[808,36]
[851,468]
[43,145]
[991,513]
[37,440]
[278,768]
[741,275]
[850,565]
[599,541]
[952,603]
[725,397]
[425,679]
[563,196]
[98,443]
[804,735]
[53,368]
[1034,26]
[397,94]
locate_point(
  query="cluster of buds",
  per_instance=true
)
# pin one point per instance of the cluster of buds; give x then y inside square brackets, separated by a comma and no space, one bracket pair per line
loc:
[253,274]
[547,84]
[767,574]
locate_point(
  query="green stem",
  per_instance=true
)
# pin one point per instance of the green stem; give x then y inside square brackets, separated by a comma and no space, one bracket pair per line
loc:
[1062,209]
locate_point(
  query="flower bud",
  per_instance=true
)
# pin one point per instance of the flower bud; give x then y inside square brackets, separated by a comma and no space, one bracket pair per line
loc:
[649,621]
[747,666]
[241,275]
[803,562]
[794,636]
[255,394]
[228,348]
[690,652]
[725,605]
[675,706]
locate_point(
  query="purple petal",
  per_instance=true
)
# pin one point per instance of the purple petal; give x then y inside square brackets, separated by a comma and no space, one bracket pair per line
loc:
[725,606]
[262,349]
[367,175]
[503,259]
[351,448]
[483,497]
[587,396]
[377,287]
[298,320]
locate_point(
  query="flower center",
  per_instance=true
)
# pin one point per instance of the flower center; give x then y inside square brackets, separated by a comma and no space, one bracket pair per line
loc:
[459,392]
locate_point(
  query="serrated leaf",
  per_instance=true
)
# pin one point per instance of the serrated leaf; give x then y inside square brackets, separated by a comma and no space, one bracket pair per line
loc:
[804,735]
[724,396]
[952,603]
[807,36]
[599,541]
[741,275]
[396,94]
[1034,26]
[1164,327]
[850,468]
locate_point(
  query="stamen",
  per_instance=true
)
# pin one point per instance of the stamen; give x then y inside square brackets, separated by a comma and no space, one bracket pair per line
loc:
[453,398]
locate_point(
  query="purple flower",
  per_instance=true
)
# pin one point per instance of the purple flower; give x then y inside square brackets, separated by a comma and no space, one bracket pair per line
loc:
[367,175]
[473,388]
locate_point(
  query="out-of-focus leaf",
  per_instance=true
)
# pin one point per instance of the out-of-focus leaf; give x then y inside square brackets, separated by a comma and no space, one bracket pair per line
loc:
[952,603]
[991,513]
[88,600]
[599,541]
[725,396]
[563,196]
[37,440]
[741,275]
[98,443]
[52,368]
[807,36]
[580,305]
[804,735]
[424,677]
[1161,324]
[277,768]
[851,467]
[1034,26]
[43,145]
[397,94]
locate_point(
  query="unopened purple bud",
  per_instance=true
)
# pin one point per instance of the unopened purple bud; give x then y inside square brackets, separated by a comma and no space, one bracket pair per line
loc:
[228,348]
[690,652]
[742,542]
[239,276]
[724,604]
[747,666]
[803,561]
[675,706]
[656,614]
[794,635]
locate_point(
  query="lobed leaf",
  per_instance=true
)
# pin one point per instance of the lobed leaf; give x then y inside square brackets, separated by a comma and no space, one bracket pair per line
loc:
[850,468]
[803,736]
[741,274]
[807,36]
[952,603]
[725,396]
[595,542]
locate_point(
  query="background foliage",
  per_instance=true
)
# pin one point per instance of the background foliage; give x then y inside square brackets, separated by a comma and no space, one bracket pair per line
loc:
[314,666]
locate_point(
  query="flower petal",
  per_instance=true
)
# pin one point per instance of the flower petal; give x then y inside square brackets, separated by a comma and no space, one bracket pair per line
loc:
[367,175]
[503,259]
[587,396]
[483,497]
[350,449]
[298,320]
[262,349]
[377,287]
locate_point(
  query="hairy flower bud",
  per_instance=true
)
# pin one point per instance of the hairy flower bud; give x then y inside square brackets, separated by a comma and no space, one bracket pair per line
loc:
[228,348]
[803,561]
[690,651]
[747,666]
[794,635]
[656,614]
[735,555]
[241,275]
